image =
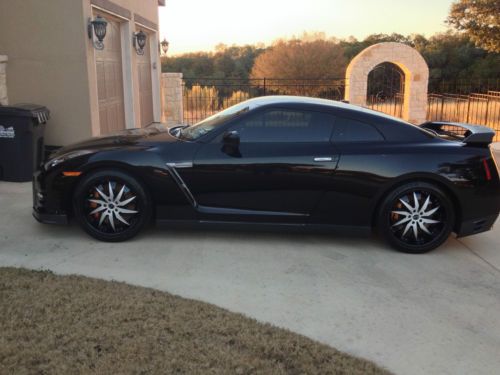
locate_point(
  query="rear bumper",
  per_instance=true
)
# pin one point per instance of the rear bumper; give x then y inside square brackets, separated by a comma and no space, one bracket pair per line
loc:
[50,218]
[476,226]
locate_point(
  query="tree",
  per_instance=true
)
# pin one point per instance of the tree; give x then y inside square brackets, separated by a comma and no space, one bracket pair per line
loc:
[480,20]
[298,59]
[452,56]
[225,62]
[352,46]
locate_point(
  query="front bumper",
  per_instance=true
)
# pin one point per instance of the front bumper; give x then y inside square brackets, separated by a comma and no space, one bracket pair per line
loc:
[50,218]
[42,210]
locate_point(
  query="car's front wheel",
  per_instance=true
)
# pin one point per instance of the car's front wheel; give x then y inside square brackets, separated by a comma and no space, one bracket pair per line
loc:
[416,217]
[111,205]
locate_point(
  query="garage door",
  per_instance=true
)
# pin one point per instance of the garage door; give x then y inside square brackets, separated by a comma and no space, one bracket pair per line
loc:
[145,85]
[110,80]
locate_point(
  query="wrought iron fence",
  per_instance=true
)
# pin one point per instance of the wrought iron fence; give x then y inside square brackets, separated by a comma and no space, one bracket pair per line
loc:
[392,105]
[475,108]
[464,86]
[203,97]
[471,101]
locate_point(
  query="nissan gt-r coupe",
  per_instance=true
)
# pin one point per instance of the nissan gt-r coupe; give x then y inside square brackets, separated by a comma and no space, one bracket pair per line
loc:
[280,161]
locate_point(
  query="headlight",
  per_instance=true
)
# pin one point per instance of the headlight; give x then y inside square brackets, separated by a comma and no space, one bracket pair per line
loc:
[62,158]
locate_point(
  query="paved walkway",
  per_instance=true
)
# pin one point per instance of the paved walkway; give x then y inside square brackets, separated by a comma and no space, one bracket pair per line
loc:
[436,313]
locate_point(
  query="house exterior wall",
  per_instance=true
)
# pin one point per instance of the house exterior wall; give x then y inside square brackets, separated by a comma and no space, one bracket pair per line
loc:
[135,15]
[45,43]
[3,80]
[51,61]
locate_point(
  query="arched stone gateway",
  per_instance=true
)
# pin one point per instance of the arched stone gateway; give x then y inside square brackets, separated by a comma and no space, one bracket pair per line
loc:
[408,60]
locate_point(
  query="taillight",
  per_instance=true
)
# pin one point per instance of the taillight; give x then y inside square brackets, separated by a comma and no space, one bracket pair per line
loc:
[487,169]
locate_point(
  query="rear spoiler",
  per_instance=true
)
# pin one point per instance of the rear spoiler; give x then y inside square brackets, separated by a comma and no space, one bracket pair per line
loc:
[466,133]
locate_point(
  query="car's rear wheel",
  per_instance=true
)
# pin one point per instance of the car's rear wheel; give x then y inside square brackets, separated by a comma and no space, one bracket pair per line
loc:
[416,217]
[111,205]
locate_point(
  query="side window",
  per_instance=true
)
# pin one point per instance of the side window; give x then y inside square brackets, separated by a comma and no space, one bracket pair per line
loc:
[284,125]
[349,130]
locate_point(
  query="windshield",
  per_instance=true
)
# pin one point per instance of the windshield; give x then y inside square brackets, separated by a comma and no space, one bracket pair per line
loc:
[211,123]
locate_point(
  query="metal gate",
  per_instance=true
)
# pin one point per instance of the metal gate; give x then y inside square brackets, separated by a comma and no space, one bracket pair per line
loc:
[386,86]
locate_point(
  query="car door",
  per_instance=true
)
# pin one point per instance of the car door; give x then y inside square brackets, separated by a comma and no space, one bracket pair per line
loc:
[361,171]
[277,172]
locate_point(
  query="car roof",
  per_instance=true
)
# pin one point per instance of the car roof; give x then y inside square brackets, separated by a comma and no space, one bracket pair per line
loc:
[286,99]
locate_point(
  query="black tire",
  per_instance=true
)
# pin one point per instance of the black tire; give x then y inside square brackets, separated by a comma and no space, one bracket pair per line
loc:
[125,214]
[416,231]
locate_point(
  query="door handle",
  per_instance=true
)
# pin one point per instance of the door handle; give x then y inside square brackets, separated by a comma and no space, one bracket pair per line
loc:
[323,158]
[181,164]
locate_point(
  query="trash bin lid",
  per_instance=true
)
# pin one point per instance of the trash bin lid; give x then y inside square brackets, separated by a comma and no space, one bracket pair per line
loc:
[35,111]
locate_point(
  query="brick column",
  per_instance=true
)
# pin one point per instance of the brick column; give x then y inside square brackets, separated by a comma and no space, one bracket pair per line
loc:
[171,92]
[3,80]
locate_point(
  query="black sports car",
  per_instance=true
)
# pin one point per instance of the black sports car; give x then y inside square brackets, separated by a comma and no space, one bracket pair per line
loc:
[280,161]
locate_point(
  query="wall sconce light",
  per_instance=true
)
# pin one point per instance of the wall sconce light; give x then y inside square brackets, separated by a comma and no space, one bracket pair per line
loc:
[97,26]
[164,46]
[139,41]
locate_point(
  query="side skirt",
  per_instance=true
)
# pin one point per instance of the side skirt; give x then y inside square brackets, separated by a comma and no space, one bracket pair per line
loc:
[265,227]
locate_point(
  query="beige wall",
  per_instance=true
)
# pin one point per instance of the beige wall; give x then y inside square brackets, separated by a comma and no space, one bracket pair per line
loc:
[147,9]
[51,62]
[45,42]
[4,100]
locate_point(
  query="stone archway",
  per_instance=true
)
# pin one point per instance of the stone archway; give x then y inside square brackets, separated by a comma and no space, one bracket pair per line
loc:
[408,60]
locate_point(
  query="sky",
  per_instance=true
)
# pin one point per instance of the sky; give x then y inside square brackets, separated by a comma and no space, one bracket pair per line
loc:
[199,25]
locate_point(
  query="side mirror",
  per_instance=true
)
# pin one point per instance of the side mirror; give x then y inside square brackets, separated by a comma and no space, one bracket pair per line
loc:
[231,138]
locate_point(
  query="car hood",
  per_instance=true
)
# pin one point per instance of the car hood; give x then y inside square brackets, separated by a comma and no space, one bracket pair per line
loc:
[138,137]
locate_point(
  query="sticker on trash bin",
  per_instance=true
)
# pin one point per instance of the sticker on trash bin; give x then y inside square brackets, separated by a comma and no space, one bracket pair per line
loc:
[7,132]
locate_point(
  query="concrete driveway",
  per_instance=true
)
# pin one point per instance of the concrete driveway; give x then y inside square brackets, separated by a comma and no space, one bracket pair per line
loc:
[437,313]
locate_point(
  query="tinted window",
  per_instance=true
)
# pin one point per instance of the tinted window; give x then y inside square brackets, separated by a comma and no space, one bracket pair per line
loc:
[349,130]
[213,122]
[283,125]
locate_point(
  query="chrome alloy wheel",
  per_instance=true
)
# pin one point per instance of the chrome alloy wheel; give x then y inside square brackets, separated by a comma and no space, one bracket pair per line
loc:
[111,207]
[417,217]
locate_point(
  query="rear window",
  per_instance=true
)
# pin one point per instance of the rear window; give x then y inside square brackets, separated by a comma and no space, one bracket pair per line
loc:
[349,130]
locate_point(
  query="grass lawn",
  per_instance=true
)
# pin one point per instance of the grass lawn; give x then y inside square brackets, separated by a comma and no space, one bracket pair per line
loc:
[70,324]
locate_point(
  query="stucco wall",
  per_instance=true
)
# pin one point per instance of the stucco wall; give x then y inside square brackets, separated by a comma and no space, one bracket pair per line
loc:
[45,42]
[3,81]
[51,61]
[147,9]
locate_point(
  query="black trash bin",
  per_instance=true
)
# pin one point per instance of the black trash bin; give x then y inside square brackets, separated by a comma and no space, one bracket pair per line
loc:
[22,146]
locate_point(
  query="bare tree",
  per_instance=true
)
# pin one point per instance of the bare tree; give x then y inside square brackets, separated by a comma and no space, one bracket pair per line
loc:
[297,60]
